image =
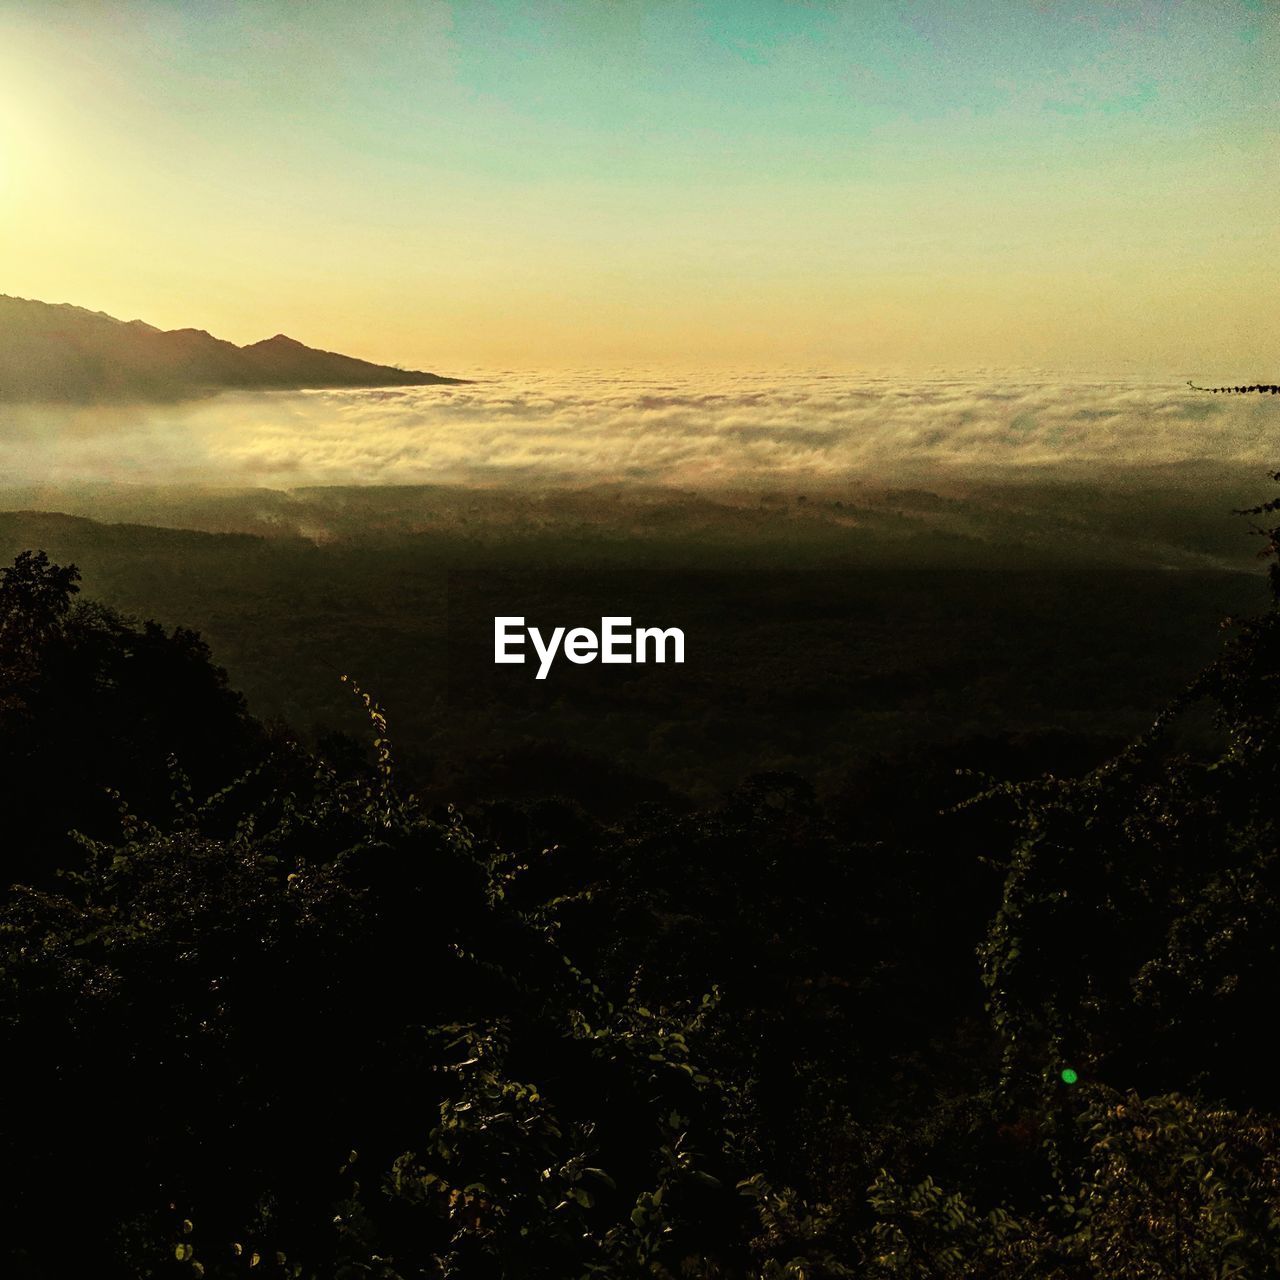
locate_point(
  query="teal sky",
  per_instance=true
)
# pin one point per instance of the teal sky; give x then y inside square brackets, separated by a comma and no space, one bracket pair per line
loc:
[567,183]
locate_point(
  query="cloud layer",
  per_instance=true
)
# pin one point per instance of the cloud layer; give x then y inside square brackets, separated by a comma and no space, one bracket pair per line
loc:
[712,431]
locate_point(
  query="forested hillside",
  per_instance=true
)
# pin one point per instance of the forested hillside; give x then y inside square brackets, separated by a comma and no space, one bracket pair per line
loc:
[830,634]
[269,1014]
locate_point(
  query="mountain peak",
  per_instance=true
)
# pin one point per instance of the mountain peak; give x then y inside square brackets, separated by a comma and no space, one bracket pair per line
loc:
[60,351]
[280,340]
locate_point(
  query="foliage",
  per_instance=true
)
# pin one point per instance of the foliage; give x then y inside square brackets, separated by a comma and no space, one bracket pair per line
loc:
[93,703]
[277,1016]
[1135,933]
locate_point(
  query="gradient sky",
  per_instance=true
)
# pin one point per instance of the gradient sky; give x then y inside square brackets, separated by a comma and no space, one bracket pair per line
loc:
[746,182]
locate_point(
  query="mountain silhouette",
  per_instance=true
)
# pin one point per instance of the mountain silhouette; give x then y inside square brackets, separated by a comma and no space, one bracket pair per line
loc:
[56,351]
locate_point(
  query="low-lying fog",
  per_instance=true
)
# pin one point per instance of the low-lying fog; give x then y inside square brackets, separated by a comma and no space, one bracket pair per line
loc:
[714,431]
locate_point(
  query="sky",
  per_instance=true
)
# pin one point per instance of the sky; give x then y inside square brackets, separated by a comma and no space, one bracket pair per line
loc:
[739,183]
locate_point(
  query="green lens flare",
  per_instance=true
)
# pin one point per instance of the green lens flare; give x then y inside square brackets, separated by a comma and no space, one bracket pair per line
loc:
[1069,1075]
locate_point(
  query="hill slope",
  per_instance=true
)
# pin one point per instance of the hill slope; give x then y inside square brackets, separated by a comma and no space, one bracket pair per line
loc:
[60,352]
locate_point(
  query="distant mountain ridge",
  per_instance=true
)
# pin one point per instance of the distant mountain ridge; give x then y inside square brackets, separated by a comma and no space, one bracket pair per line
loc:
[57,351]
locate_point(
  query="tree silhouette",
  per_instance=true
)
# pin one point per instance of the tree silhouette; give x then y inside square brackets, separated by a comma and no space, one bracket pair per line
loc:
[1263,388]
[291,1023]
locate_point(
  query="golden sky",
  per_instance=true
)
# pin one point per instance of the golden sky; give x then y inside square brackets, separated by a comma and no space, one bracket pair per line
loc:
[490,185]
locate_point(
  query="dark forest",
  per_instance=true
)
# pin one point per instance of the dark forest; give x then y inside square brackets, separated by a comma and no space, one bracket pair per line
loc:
[273,1006]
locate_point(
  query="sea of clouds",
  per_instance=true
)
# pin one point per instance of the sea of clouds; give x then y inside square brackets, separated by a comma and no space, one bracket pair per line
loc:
[652,428]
